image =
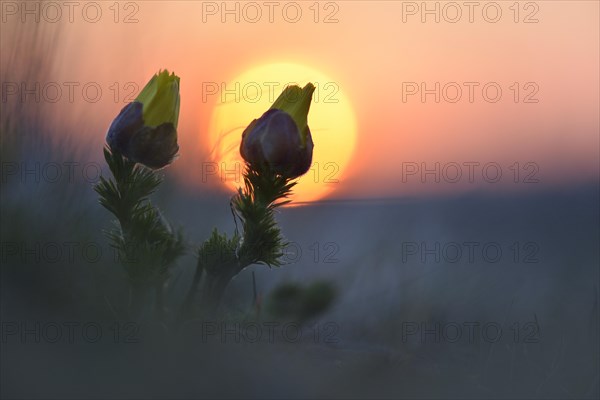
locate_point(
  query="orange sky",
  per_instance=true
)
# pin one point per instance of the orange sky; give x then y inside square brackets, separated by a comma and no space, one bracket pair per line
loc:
[372,54]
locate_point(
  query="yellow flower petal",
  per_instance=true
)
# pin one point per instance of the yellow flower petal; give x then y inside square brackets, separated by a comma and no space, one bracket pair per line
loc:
[296,102]
[160,100]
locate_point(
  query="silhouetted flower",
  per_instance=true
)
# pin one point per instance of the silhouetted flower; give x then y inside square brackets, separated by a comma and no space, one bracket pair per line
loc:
[145,131]
[280,139]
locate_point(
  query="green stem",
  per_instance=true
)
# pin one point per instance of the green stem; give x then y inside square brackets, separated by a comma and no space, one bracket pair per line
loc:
[262,241]
[214,291]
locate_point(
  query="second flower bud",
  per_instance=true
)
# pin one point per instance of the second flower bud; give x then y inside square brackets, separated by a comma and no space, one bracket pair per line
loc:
[280,139]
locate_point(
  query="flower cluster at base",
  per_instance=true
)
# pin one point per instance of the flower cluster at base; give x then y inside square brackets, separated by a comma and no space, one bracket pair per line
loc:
[145,131]
[280,139]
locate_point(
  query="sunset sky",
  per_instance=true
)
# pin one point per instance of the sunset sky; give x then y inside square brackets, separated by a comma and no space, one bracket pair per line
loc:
[377,54]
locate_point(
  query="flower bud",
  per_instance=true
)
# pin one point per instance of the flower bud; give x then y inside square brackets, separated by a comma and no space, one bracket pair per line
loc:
[145,131]
[280,139]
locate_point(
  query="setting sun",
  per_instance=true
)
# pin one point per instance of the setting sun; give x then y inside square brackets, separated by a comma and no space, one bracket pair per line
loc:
[331,120]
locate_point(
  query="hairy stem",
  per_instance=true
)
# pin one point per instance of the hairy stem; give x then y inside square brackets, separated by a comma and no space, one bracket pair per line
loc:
[221,259]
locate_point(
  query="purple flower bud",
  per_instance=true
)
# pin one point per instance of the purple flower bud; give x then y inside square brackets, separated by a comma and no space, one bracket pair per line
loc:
[280,139]
[274,141]
[145,131]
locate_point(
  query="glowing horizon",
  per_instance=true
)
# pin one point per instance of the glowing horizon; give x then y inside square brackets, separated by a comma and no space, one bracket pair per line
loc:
[416,98]
[331,120]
